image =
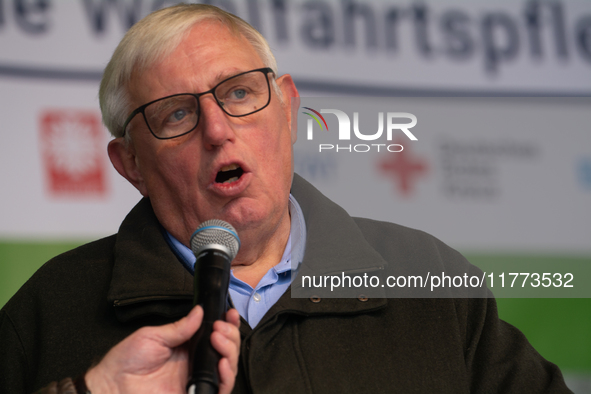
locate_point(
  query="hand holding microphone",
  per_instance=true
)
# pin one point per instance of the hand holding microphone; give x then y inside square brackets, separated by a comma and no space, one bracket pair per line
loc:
[158,360]
[155,360]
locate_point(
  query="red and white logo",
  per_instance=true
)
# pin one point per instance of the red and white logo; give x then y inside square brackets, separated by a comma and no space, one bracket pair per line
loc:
[404,168]
[73,153]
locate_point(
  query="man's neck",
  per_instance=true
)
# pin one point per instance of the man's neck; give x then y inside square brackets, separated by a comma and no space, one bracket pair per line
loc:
[252,265]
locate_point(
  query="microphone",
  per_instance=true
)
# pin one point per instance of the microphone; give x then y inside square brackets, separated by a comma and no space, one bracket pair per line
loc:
[215,244]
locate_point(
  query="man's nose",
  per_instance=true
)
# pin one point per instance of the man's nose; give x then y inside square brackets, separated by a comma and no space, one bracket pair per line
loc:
[215,125]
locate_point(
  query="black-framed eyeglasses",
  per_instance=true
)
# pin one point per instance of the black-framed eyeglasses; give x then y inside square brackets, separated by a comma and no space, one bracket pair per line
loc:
[178,114]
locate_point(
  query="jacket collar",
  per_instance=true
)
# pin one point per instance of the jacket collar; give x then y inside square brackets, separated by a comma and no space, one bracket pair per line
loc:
[334,242]
[334,245]
[147,276]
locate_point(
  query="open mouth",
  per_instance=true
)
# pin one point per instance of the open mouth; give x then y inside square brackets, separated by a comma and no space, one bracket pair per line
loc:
[229,174]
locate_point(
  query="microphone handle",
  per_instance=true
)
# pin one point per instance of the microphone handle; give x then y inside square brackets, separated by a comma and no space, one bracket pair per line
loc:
[211,280]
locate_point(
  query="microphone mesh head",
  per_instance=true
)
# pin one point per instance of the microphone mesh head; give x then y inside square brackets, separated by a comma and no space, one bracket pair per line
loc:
[215,233]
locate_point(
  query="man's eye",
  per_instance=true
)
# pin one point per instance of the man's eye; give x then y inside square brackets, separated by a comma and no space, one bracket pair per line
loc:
[238,94]
[177,115]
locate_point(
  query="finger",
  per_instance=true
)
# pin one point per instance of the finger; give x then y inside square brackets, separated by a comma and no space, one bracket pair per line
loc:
[227,376]
[227,348]
[228,330]
[179,332]
[233,317]
[226,340]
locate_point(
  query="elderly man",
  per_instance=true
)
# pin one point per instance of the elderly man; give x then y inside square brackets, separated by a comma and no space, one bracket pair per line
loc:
[203,130]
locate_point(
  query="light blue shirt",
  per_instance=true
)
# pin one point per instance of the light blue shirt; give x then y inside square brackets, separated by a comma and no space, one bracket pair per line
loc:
[252,304]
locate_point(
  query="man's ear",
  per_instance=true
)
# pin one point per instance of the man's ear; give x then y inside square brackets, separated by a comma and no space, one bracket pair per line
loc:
[124,160]
[291,103]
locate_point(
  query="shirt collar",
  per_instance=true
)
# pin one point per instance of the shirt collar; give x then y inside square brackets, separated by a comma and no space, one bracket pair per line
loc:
[292,255]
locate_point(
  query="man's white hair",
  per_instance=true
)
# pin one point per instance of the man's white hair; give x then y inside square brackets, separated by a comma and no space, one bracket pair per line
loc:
[151,40]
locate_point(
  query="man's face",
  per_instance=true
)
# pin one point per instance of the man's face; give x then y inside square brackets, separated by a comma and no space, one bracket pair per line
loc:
[179,175]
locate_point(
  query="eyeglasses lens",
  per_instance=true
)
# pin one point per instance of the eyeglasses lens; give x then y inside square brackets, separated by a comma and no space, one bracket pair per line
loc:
[238,96]
[244,94]
[172,116]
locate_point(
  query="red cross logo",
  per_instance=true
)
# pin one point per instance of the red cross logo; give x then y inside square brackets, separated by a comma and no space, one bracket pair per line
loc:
[403,167]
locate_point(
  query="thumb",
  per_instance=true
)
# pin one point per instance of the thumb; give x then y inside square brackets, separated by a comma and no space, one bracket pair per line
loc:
[179,332]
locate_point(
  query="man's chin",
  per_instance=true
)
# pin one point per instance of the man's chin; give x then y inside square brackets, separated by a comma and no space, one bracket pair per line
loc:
[249,215]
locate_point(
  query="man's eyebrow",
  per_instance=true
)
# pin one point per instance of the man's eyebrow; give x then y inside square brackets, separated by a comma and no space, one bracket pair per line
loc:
[227,74]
